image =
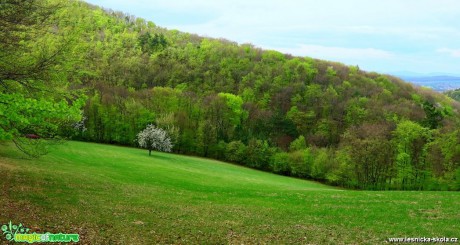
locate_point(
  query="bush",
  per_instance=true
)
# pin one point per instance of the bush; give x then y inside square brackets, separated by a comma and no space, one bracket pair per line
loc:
[298,144]
[321,164]
[280,163]
[300,163]
[258,154]
[235,152]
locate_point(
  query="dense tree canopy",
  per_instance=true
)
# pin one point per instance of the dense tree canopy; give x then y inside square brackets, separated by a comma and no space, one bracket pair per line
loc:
[291,115]
[34,73]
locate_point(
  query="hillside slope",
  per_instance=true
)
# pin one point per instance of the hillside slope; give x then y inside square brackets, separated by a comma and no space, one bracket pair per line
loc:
[120,195]
[294,116]
[454,94]
[246,105]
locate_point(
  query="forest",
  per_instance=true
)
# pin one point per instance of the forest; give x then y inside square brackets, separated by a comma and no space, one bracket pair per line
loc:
[69,69]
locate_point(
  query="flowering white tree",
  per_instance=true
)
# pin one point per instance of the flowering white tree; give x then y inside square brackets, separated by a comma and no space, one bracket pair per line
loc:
[153,138]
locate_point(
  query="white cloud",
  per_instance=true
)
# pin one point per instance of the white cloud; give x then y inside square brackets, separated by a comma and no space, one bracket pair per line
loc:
[452,52]
[338,53]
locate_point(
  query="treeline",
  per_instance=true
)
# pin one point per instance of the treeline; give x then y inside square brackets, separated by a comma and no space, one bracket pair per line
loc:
[290,115]
[454,94]
[399,154]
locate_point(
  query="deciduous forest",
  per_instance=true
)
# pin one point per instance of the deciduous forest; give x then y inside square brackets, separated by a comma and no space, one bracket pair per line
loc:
[74,70]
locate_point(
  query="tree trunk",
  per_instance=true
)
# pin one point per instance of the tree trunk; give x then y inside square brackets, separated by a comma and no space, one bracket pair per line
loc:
[150,152]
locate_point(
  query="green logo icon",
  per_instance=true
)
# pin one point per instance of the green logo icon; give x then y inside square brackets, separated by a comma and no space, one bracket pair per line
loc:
[19,233]
[9,230]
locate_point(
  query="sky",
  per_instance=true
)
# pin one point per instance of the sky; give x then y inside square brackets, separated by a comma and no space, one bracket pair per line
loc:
[389,36]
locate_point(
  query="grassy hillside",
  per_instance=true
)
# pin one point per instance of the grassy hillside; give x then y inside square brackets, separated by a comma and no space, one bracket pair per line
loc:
[118,195]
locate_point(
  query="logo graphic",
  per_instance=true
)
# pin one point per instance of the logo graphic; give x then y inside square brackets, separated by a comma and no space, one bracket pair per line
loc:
[11,230]
[19,233]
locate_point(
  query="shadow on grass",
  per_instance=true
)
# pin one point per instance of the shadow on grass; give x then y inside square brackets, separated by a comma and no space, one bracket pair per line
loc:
[7,151]
[159,157]
[155,155]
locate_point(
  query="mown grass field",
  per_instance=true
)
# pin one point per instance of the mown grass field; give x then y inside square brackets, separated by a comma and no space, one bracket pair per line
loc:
[118,195]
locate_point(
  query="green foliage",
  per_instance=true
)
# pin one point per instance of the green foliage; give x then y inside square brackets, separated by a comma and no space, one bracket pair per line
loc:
[152,43]
[234,103]
[444,159]
[411,145]
[321,163]
[454,94]
[298,144]
[331,72]
[370,155]
[22,115]
[280,163]
[457,180]
[433,115]
[243,104]
[235,152]
[301,162]
[356,111]
[258,154]
[219,99]
[35,71]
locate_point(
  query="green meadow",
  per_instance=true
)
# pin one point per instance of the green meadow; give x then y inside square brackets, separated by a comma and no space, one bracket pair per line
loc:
[119,195]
